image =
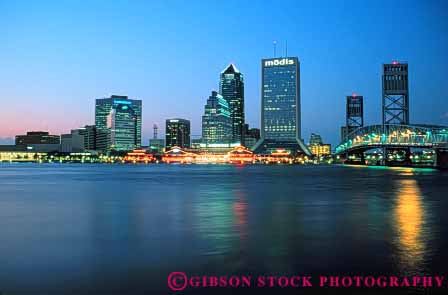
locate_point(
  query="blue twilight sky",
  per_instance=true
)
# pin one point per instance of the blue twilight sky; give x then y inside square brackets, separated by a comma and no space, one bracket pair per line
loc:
[57,57]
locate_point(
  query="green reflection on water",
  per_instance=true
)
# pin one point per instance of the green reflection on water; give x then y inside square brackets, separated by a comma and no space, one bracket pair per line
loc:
[214,215]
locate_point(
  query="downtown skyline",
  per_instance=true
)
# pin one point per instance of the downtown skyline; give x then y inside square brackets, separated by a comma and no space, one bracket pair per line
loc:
[55,85]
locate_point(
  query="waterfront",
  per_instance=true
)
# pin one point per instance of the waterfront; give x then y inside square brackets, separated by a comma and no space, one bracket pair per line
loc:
[123,228]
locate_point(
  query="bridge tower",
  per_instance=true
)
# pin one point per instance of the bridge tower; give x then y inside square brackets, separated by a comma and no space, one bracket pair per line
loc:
[395,93]
[354,114]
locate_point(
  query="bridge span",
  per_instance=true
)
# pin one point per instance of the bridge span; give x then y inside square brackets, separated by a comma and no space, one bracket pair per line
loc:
[396,145]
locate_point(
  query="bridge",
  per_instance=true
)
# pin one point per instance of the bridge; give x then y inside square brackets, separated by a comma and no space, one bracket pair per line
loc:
[391,144]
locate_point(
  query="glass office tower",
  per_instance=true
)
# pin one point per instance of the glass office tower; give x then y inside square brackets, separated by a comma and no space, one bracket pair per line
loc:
[216,121]
[231,87]
[177,133]
[280,106]
[122,119]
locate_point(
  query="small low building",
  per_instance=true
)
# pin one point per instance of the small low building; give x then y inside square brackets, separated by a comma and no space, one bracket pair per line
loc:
[319,150]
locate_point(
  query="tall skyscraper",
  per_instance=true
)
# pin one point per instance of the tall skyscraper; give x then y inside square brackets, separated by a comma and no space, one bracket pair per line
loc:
[177,133]
[231,87]
[280,106]
[395,93]
[122,118]
[216,121]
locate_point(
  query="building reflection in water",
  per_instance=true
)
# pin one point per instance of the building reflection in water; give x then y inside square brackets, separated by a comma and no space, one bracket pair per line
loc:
[240,215]
[214,221]
[222,224]
[409,222]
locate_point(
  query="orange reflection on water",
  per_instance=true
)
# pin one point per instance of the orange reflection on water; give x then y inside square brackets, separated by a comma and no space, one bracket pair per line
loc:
[409,220]
[240,213]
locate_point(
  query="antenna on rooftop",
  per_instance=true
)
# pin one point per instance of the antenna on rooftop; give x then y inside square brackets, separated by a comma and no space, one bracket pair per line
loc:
[275,47]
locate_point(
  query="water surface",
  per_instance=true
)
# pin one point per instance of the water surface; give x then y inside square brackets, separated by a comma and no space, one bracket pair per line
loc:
[112,229]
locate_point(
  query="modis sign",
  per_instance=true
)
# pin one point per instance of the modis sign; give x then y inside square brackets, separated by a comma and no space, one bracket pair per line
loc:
[279,62]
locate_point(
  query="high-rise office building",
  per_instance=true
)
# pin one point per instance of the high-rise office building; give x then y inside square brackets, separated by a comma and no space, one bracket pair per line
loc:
[231,87]
[216,121]
[280,106]
[122,119]
[94,138]
[395,93]
[177,133]
[87,138]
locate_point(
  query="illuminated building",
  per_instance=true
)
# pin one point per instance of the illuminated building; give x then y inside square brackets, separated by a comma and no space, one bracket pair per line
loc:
[320,149]
[37,137]
[241,155]
[216,148]
[231,87]
[216,121]
[138,156]
[280,106]
[122,119]
[317,147]
[277,156]
[395,93]
[13,153]
[177,155]
[177,133]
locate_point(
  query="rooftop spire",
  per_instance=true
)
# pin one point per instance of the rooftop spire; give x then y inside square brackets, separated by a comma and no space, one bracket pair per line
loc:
[231,69]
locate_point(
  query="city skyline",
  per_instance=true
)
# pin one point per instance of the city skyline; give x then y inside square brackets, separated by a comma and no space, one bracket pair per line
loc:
[80,68]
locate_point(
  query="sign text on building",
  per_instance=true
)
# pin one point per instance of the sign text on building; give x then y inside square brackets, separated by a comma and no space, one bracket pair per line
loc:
[279,62]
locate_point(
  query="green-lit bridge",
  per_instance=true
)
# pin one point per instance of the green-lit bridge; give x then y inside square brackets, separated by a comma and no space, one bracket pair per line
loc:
[385,144]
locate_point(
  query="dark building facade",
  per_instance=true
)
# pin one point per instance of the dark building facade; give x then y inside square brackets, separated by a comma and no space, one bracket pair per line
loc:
[94,138]
[315,139]
[395,93]
[251,136]
[231,87]
[177,133]
[280,106]
[216,121]
[122,119]
[37,137]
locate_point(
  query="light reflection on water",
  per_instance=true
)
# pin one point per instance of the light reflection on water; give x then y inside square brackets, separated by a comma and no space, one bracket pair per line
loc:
[99,222]
[409,215]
